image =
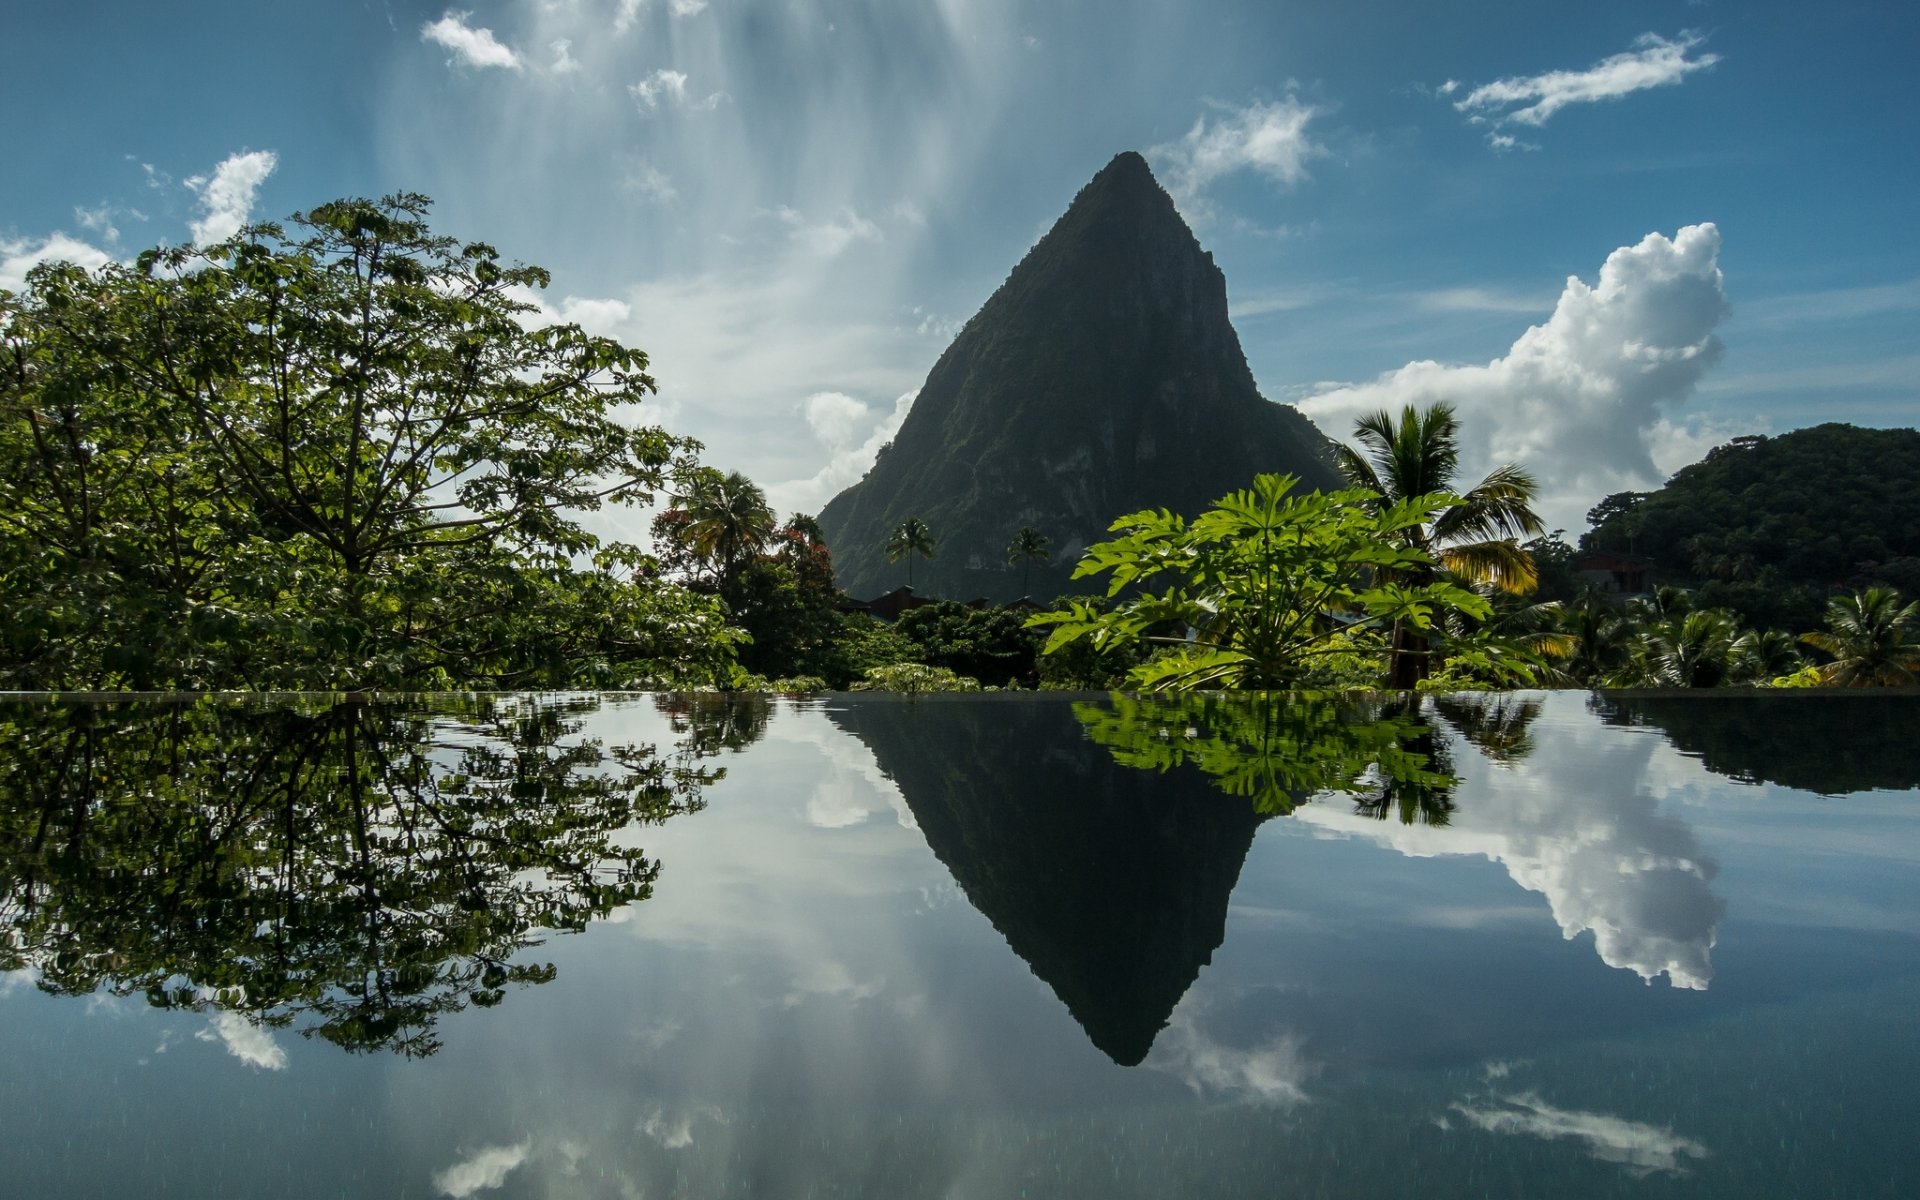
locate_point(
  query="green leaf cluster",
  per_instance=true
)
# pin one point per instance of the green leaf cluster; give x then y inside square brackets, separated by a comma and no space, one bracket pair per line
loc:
[342,454]
[1253,592]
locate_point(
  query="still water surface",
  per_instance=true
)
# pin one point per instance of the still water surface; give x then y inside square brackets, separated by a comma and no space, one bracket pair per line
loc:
[1551,946]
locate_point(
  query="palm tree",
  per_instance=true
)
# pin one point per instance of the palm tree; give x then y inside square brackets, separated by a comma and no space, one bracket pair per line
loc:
[1758,657]
[1028,546]
[1693,651]
[1874,641]
[909,538]
[1478,540]
[729,521]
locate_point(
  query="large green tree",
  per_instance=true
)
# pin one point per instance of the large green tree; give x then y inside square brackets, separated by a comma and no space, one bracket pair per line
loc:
[339,452]
[1874,641]
[1477,540]
[1257,590]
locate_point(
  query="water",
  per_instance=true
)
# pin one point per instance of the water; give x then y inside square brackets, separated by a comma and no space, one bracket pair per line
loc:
[626,946]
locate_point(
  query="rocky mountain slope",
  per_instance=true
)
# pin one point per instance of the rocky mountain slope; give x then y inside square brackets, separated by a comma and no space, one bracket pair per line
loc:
[1102,378]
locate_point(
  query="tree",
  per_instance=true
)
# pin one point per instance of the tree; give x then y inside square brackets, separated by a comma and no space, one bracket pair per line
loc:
[1477,539]
[909,538]
[280,460]
[728,522]
[1874,641]
[1028,547]
[1260,586]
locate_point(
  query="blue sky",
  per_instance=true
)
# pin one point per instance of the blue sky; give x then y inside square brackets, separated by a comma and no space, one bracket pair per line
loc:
[792,205]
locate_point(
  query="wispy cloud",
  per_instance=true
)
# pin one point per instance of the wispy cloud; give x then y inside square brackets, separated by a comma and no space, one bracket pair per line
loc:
[484,1170]
[667,88]
[1532,100]
[227,196]
[476,47]
[1268,137]
[1641,1147]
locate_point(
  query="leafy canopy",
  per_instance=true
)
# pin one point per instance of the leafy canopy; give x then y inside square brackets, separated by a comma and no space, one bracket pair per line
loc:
[1256,589]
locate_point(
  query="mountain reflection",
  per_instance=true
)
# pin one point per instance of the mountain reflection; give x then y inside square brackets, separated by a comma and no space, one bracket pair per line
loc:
[1106,869]
[349,869]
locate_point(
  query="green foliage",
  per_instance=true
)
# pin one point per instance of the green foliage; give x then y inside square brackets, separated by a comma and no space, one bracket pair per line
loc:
[1768,527]
[914,677]
[336,457]
[859,645]
[1279,751]
[1873,639]
[992,644]
[352,870]
[1253,587]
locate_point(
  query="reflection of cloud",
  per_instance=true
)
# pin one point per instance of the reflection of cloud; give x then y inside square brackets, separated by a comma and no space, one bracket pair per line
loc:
[1645,1148]
[245,1040]
[486,1170]
[674,1131]
[10,981]
[854,789]
[1577,824]
[1273,1072]
[831,979]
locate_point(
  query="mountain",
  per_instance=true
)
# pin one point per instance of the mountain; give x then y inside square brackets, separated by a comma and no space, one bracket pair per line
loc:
[1771,527]
[1111,883]
[1103,377]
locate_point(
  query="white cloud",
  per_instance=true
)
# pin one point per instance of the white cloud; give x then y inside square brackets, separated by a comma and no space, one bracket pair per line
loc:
[1586,399]
[226,199]
[831,979]
[477,48]
[1269,137]
[485,1170]
[687,8]
[1642,1147]
[1614,865]
[246,1041]
[649,182]
[628,12]
[1274,1072]
[1533,99]
[564,63]
[19,257]
[667,88]
[837,420]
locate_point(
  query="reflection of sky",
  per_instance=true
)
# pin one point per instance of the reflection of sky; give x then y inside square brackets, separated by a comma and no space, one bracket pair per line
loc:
[1578,821]
[807,1004]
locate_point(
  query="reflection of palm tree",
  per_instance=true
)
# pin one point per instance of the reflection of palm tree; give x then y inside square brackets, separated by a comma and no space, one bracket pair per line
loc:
[1477,540]
[729,521]
[1872,639]
[909,538]
[1028,547]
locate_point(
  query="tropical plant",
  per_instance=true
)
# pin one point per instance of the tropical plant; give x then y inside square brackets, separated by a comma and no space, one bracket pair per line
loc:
[1761,657]
[909,538]
[1874,641]
[1258,588]
[1028,546]
[1476,540]
[1690,651]
[914,677]
[728,522]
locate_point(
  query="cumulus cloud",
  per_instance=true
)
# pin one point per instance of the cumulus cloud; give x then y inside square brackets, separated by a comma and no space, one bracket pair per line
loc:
[19,257]
[667,88]
[476,47]
[485,1170]
[852,435]
[1269,137]
[1641,1147]
[1653,62]
[1612,865]
[1587,399]
[245,1040]
[226,197]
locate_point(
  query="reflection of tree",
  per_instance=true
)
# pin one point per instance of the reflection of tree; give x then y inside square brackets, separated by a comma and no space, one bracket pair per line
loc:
[709,722]
[1826,741]
[350,868]
[1280,750]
